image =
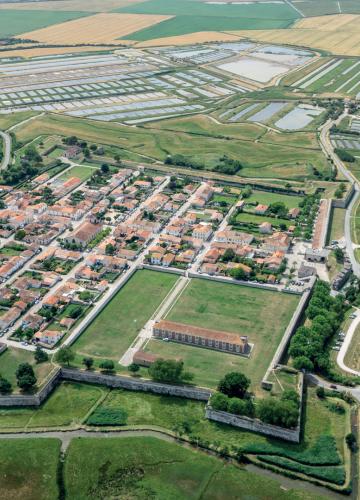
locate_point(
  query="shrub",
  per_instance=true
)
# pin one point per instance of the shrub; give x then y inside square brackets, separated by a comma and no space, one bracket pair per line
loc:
[323,452]
[219,401]
[241,407]
[108,416]
[234,384]
[331,474]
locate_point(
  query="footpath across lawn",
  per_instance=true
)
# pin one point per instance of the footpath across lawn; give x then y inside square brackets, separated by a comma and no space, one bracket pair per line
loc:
[118,324]
[260,314]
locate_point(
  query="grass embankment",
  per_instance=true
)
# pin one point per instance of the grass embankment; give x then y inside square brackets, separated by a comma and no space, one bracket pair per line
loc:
[149,468]
[283,156]
[28,469]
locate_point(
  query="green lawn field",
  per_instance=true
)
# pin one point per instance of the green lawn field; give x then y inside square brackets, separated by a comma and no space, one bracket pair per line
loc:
[273,156]
[67,406]
[15,22]
[80,171]
[12,357]
[28,468]
[118,324]
[258,219]
[146,467]
[336,224]
[266,198]
[261,314]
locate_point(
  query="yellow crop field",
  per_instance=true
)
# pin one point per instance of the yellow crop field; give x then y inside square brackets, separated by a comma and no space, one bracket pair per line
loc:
[71,5]
[98,29]
[199,37]
[338,34]
[50,51]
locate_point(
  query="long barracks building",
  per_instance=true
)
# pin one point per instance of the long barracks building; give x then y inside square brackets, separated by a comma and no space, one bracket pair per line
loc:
[202,337]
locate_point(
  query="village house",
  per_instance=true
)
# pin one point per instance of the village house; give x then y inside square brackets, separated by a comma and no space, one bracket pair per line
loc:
[235,237]
[85,233]
[265,228]
[277,242]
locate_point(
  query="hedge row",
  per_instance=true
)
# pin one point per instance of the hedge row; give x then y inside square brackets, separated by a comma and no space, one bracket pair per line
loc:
[108,416]
[324,452]
[330,474]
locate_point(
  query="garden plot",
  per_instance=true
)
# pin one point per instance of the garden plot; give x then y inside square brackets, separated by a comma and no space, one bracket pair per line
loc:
[268,112]
[355,125]
[343,142]
[337,75]
[299,117]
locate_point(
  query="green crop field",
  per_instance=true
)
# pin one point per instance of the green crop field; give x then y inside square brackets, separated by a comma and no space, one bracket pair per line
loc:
[232,308]
[146,467]
[312,8]
[274,155]
[192,16]
[28,469]
[12,357]
[68,405]
[15,22]
[118,324]
[343,79]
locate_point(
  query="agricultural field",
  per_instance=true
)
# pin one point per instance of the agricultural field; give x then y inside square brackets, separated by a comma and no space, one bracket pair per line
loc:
[334,76]
[119,323]
[100,28]
[22,459]
[232,308]
[70,5]
[13,22]
[336,34]
[12,357]
[160,470]
[311,8]
[197,16]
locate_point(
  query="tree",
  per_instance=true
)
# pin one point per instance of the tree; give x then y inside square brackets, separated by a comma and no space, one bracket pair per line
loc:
[219,401]
[109,249]
[234,384]
[20,234]
[25,376]
[64,355]
[105,168]
[229,255]
[238,273]
[107,365]
[320,392]
[5,385]
[88,363]
[277,412]
[133,368]
[167,370]
[40,355]
[241,407]
[351,441]
[339,255]
[303,363]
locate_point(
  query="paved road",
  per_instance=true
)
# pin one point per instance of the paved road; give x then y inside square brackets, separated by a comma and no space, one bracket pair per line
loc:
[6,150]
[315,379]
[328,150]
[346,344]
